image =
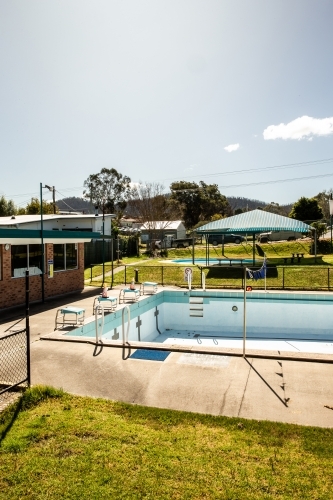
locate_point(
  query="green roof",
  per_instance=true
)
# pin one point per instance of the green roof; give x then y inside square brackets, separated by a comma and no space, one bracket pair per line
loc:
[25,236]
[254,222]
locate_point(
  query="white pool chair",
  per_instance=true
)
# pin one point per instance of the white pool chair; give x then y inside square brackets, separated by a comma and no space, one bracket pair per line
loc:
[148,287]
[108,303]
[129,294]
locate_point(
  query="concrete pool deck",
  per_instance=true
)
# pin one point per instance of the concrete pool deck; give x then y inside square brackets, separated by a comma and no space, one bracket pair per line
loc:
[263,389]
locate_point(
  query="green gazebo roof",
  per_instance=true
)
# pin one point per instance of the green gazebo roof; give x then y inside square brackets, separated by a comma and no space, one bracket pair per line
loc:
[254,222]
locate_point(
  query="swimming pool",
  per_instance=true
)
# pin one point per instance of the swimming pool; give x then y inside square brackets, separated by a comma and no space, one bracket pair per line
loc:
[220,261]
[215,318]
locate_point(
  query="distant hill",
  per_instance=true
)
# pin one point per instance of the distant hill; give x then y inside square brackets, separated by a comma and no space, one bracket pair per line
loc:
[249,204]
[75,204]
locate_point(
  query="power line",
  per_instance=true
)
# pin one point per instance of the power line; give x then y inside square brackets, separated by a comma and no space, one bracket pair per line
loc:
[260,169]
[260,182]
[277,181]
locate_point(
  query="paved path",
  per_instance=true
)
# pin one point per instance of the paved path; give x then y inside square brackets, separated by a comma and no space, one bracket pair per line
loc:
[270,389]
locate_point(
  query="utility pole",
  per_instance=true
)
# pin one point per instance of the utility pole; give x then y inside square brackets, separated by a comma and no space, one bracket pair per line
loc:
[331,209]
[52,188]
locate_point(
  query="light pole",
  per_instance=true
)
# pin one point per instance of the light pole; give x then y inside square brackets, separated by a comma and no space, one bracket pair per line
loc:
[52,189]
[41,233]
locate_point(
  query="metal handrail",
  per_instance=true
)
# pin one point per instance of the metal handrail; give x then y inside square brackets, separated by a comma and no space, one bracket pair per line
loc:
[99,333]
[203,279]
[125,336]
[189,280]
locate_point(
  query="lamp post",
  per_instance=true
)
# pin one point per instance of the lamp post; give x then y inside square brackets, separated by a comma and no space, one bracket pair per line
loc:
[41,232]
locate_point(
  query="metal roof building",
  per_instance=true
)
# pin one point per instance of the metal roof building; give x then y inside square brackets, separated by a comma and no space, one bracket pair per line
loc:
[254,222]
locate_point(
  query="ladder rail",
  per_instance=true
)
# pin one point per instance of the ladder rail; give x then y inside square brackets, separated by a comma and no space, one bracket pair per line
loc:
[125,335]
[99,327]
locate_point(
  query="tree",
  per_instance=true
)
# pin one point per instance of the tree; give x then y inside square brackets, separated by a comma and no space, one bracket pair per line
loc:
[197,202]
[108,190]
[321,229]
[275,208]
[306,209]
[34,207]
[323,201]
[6,207]
[149,204]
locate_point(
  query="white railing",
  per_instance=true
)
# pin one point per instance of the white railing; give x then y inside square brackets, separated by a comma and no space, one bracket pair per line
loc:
[99,322]
[125,335]
[203,279]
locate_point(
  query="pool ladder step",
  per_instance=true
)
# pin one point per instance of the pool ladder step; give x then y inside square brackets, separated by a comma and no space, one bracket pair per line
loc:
[196,306]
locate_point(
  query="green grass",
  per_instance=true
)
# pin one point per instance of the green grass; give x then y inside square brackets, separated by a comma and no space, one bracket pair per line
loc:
[59,446]
[309,274]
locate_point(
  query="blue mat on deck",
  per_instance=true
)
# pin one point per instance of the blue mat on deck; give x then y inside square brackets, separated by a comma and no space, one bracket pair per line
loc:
[152,355]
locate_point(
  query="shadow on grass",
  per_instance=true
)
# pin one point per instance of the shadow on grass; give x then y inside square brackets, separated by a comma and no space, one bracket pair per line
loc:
[9,417]
[30,398]
[234,273]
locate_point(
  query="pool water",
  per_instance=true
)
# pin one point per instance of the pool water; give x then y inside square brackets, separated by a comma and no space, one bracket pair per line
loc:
[281,321]
[221,261]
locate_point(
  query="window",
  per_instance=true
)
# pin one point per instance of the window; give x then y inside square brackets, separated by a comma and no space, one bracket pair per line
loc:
[24,257]
[65,256]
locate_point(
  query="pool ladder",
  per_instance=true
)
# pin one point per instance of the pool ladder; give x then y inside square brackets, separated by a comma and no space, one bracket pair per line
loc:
[196,307]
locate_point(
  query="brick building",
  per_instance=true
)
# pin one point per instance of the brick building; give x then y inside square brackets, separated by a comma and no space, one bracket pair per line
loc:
[60,246]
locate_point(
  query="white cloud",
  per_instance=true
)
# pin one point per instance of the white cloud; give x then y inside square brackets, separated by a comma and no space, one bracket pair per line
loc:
[232,147]
[301,128]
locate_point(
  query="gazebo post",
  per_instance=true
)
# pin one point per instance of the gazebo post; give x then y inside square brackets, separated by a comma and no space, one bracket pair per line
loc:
[253,250]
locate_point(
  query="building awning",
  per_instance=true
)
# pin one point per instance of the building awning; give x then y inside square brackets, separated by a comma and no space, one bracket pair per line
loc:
[254,222]
[33,236]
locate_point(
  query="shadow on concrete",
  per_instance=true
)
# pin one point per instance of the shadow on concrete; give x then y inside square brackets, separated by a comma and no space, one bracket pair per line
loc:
[124,355]
[98,349]
[265,382]
[17,313]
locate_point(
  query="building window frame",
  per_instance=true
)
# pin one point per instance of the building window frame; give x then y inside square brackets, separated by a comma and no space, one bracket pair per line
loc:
[65,257]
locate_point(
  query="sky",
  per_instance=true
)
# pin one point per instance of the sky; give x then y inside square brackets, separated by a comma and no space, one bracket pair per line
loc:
[230,92]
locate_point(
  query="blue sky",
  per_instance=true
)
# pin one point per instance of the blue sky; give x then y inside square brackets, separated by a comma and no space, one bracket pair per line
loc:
[166,90]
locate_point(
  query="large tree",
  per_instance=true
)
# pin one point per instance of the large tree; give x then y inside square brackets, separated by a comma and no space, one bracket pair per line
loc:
[7,207]
[198,202]
[108,189]
[149,204]
[306,209]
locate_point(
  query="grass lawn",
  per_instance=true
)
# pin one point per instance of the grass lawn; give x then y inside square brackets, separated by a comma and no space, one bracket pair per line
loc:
[61,446]
[308,274]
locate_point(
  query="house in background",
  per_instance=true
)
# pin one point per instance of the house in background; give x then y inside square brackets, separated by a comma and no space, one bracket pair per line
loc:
[162,230]
[63,239]
[128,225]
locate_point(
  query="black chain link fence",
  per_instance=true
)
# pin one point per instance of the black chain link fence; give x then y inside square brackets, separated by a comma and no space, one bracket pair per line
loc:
[278,277]
[14,366]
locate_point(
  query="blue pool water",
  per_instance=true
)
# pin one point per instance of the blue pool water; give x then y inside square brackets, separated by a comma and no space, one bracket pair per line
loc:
[214,317]
[212,261]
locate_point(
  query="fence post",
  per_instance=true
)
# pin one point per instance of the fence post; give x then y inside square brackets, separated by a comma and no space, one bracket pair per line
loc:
[328,278]
[27,325]
[125,275]
[283,278]
[162,275]
[91,268]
